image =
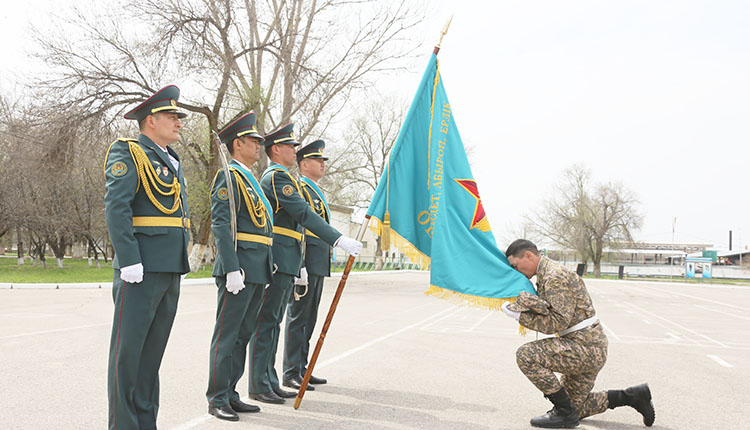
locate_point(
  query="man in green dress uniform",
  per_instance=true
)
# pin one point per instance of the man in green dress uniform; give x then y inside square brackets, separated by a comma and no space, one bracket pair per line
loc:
[302,312]
[148,222]
[242,268]
[291,216]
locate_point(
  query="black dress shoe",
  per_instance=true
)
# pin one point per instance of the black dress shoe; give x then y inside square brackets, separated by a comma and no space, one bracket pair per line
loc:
[317,381]
[296,383]
[240,406]
[269,397]
[223,413]
[284,394]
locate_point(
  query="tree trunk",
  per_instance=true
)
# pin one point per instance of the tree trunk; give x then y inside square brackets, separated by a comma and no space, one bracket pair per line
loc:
[20,246]
[597,269]
[200,245]
[59,246]
[378,254]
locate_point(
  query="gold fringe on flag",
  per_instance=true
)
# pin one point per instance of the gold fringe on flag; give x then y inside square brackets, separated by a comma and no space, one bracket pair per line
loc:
[404,246]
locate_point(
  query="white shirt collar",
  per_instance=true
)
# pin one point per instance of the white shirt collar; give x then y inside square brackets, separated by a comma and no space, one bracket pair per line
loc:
[241,164]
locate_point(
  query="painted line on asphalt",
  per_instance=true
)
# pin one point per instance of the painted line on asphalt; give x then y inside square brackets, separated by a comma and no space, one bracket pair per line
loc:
[719,360]
[376,321]
[203,418]
[703,299]
[34,333]
[489,314]
[722,312]
[678,325]
[80,327]
[382,338]
[606,327]
[194,422]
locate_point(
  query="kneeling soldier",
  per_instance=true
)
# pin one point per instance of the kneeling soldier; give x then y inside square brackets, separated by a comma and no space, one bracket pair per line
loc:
[242,268]
[563,307]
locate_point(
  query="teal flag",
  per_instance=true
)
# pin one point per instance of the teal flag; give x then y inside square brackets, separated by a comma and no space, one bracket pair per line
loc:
[430,202]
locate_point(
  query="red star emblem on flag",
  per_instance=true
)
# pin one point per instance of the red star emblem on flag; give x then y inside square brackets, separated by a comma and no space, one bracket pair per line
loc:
[479,220]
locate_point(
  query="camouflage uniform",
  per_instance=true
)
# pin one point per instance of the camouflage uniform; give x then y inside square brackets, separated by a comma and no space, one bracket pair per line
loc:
[562,302]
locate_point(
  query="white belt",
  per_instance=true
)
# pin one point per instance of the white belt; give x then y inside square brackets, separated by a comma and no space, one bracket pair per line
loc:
[581,325]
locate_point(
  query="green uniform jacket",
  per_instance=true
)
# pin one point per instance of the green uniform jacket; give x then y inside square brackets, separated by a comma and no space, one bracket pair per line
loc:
[317,252]
[254,258]
[292,212]
[159,249]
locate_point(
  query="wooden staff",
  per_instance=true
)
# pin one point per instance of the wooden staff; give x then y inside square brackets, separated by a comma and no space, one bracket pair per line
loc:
[344,277]
[329,318]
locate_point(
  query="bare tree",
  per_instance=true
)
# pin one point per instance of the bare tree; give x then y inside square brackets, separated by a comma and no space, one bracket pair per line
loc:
[356,168]
[287,60]
[11,170]
[51,177]
[589,218]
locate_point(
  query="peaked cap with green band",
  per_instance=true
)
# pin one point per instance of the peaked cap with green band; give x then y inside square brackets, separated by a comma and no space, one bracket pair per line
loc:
[244,126]
[165,100]
[283,135]
[312,150]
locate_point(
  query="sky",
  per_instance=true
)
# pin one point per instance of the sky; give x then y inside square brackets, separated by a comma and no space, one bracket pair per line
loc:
[654,94]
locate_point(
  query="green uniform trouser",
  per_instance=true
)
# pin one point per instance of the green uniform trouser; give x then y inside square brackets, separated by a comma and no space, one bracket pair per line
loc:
[264,342]
[578,356]
[300,323]
[144,314]
[236,317]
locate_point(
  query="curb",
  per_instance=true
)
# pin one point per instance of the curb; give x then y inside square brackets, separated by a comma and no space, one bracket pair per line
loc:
[187,282]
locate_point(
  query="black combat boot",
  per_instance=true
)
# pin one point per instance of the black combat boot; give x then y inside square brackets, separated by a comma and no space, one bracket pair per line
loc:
[638,397]
[562,416]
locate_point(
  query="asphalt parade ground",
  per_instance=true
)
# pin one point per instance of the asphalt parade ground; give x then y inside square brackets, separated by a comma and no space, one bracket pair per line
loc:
[394,358]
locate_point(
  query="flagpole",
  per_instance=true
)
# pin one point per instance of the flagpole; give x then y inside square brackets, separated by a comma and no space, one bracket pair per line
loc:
[344,277]
[329,318]
[442,34]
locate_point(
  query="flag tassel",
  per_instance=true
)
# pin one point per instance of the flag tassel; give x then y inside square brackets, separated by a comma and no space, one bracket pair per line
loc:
[385,241]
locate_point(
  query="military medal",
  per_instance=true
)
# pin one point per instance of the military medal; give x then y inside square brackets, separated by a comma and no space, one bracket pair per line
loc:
[165,171]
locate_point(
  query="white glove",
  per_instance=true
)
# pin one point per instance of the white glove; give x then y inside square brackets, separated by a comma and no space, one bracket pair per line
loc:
[182,277]
[351,246]
[132,274]
[302,280]
[513,314]
[235,282]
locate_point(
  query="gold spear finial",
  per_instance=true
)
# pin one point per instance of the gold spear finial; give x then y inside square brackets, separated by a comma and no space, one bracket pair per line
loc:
[442,34]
